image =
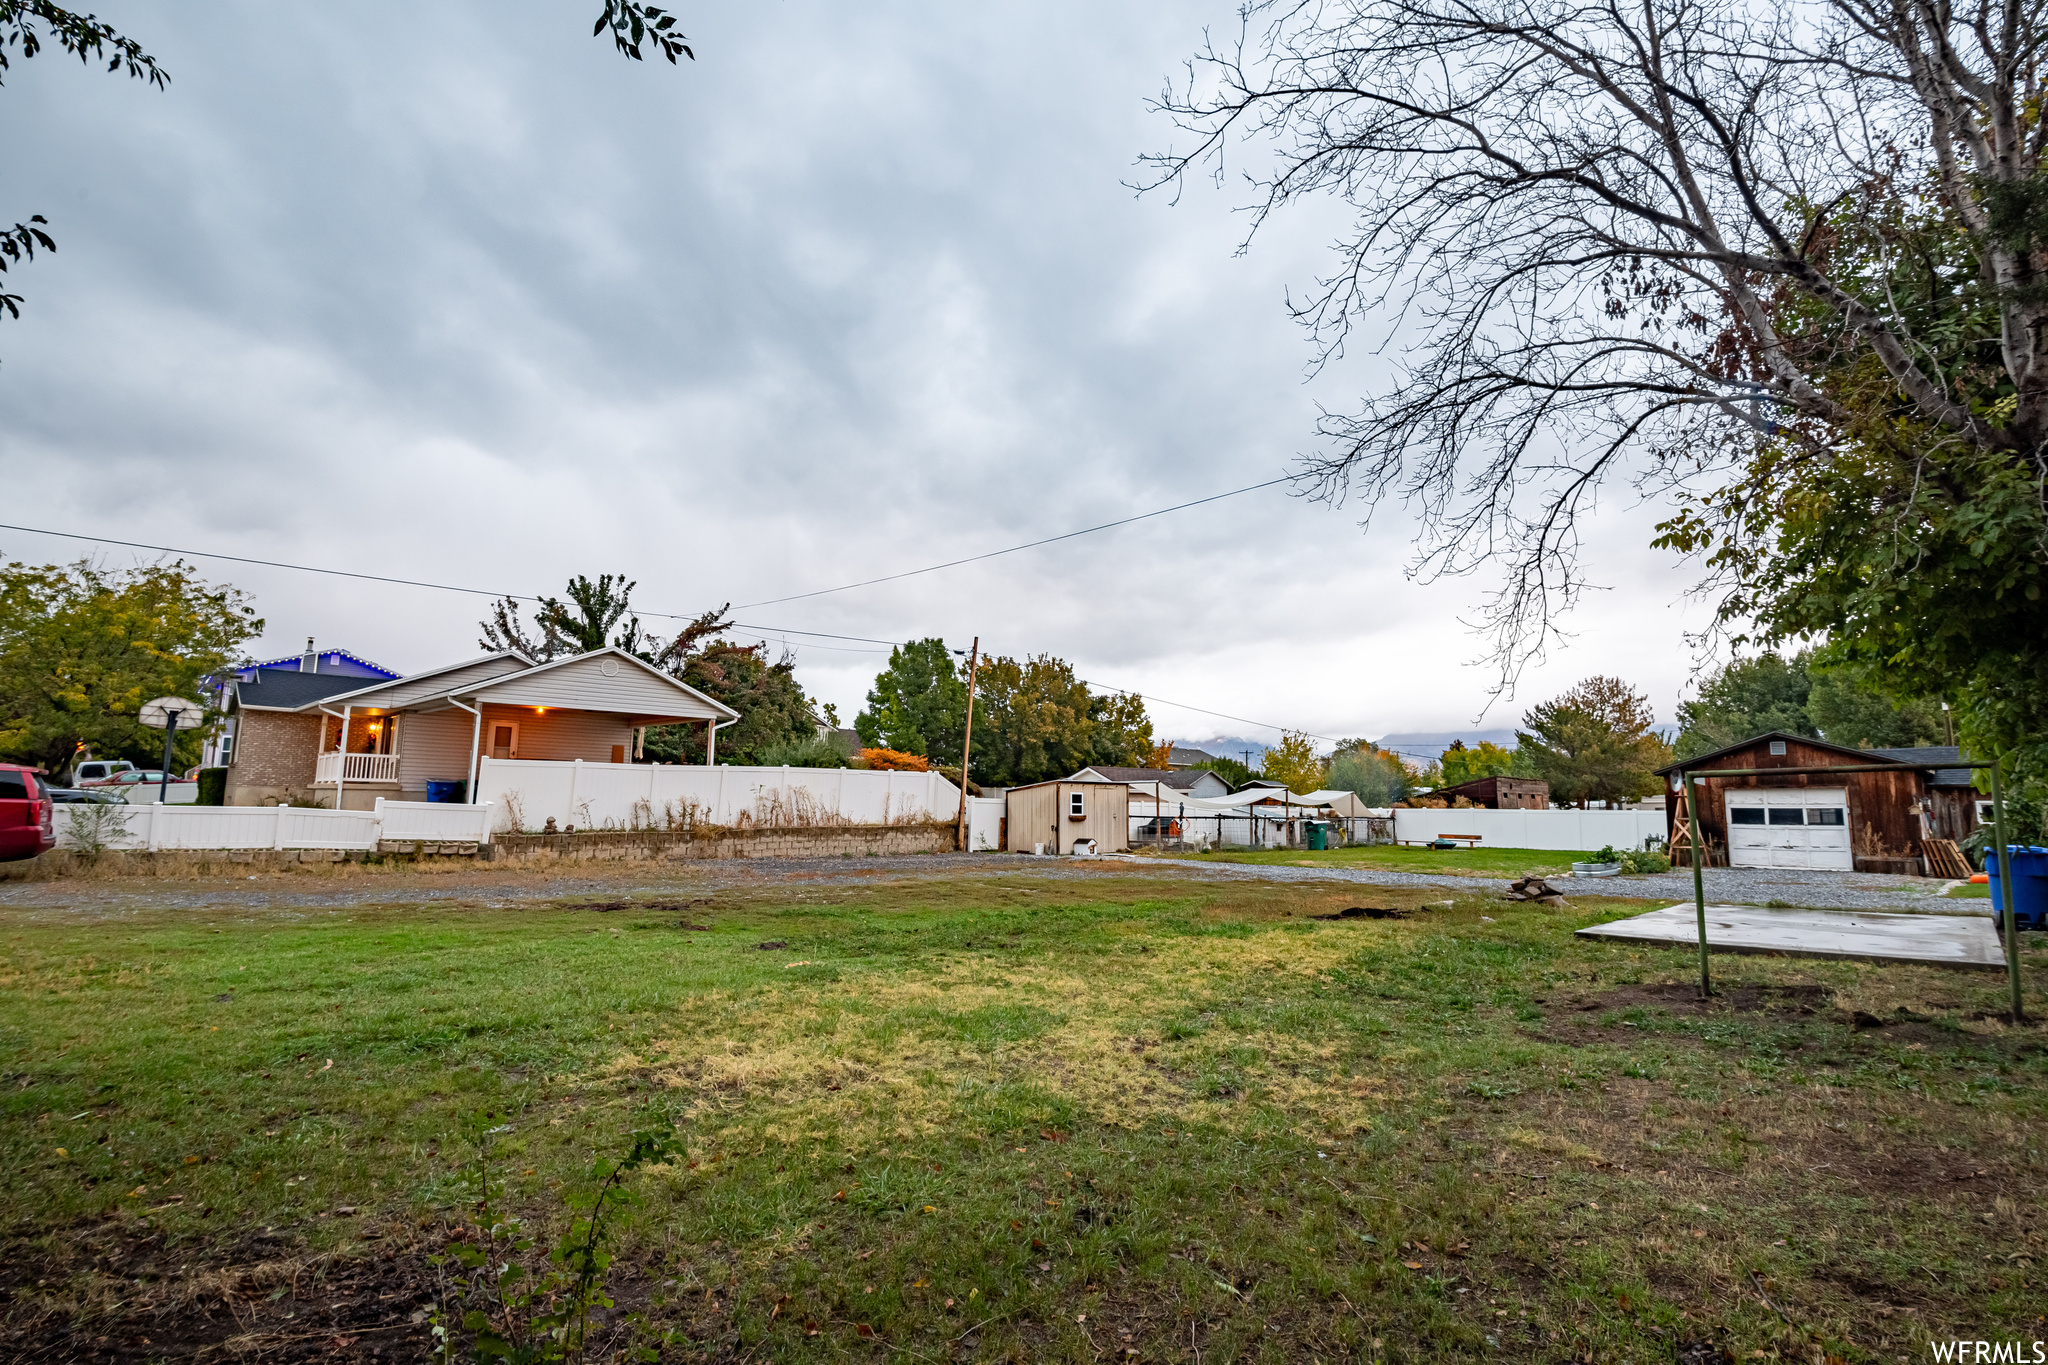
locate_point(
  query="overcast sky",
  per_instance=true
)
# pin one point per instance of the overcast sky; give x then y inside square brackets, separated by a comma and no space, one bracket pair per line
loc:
[453,292]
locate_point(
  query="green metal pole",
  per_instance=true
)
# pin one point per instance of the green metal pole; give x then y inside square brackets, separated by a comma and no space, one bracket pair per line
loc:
[1699,881]
[2007,919]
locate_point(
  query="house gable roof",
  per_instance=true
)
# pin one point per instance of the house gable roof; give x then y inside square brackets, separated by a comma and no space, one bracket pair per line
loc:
[1180,779]
[400,693]
[287,689]
[1861,755]
[580,683]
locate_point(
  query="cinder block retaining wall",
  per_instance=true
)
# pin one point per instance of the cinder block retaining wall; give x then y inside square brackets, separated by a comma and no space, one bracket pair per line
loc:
[846,841]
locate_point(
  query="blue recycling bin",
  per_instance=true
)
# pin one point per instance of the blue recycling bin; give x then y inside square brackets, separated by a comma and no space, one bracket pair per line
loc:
[450,792]
[2029,885]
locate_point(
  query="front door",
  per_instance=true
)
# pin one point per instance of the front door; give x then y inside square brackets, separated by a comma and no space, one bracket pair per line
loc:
[1792,827]
[504,739]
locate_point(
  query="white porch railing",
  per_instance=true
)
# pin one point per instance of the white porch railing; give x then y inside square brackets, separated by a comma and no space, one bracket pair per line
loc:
[329,768]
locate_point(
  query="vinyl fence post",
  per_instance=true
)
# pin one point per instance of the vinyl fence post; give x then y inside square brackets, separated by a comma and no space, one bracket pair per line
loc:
[377,813]
[277,825]
[2006,918]
[575,771]
[155,811]
[484,835]
[1699,882]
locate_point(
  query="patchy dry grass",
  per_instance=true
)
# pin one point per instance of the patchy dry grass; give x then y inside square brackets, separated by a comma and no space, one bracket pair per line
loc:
[1017,1118]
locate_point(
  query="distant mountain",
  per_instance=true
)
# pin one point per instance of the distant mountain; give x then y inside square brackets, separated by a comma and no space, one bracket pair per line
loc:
[1227,746]
[1426,746]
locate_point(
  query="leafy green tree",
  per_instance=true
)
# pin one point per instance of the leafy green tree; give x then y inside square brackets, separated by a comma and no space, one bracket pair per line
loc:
[1595,743]
[918,704]
[773,709]
[1746,698]
[1847,711]
[1460,764]
[1801,696]
[1375,776]
[1295,762]
[1036,720]
[1121,733]
[82,648]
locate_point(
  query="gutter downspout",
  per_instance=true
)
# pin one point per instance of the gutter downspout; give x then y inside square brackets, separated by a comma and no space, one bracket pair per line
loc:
[476,739]
[710,744]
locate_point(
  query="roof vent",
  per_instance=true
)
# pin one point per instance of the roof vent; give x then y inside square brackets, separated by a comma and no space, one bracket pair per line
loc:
[309,662]
[1777,746]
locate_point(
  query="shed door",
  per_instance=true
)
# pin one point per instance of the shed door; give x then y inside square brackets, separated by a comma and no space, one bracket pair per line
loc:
[1796,827]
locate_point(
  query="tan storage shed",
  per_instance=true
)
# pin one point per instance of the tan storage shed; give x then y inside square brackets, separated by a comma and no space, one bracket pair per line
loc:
[1056,815]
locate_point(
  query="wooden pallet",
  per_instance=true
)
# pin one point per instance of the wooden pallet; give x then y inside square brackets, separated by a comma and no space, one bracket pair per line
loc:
[1944,859]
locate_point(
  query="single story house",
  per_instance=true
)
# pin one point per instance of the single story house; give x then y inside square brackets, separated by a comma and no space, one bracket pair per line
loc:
[1196,782]
[344,740]
[1853,821]
[1056,815]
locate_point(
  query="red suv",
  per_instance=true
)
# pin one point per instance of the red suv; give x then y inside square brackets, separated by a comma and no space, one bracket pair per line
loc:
[26,827]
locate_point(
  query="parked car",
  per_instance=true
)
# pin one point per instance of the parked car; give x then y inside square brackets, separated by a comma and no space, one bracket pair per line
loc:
[138,787]
[96,770]
[26,822]
[70,795]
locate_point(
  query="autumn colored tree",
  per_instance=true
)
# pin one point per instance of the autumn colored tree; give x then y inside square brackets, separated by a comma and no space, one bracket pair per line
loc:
[1595,743]
[1294,761]
[82,648]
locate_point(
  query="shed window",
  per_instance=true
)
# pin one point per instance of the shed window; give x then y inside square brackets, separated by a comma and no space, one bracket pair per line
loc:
[1777,746]
[1075,807]
[1787,815]
[1747,815]
[1826,815]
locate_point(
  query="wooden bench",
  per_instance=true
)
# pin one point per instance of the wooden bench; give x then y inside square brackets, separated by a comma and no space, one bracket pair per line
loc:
[1468,839]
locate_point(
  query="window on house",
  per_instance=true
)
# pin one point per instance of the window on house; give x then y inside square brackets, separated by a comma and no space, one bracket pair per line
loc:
[1075,808]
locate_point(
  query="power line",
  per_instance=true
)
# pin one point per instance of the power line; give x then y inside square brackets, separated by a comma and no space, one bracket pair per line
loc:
[1029,545]
[679,616]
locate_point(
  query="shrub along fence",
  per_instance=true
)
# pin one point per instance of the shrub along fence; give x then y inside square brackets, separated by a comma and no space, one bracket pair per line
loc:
[638,796]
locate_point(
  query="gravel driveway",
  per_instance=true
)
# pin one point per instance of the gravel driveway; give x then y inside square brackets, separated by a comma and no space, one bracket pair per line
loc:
[115,898]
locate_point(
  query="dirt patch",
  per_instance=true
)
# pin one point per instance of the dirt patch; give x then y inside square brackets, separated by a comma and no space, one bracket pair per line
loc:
[1683,998]
[121,1292]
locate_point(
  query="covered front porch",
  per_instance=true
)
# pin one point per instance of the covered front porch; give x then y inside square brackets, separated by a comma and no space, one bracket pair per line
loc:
[593,709]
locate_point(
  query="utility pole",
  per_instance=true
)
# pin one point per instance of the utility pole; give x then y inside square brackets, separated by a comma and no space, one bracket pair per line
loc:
[967,739]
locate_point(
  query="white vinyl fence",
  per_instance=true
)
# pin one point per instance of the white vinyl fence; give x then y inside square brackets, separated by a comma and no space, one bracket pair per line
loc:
[985,823]
[529,792]
[1549,829]
[156,827]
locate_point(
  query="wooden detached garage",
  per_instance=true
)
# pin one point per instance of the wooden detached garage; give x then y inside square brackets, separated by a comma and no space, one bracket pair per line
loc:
[1057,815]
[1851,821]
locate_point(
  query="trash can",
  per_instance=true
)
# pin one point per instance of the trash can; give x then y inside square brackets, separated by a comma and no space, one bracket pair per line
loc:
[2029,885]
[1318,835]
[450,792]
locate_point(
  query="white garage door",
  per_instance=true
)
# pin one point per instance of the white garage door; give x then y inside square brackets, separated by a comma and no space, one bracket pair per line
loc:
[1804,827]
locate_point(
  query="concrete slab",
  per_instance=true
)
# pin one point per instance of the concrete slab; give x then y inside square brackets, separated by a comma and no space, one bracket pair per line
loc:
[1865,935]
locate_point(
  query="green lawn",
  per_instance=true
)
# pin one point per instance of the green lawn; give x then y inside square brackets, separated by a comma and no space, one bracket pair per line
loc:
[1456,862]
[1020,1118]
